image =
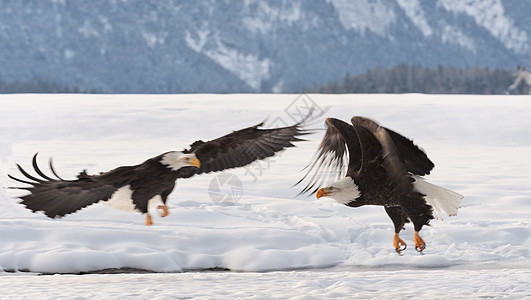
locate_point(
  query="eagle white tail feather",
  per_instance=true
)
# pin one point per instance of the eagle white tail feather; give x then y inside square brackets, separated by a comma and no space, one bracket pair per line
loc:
[439,198]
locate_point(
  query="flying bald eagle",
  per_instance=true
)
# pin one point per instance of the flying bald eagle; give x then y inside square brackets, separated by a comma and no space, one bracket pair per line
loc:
[384,168]
[136,188]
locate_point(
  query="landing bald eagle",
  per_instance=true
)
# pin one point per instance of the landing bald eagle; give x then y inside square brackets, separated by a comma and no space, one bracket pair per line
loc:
[384,168]
[134,187]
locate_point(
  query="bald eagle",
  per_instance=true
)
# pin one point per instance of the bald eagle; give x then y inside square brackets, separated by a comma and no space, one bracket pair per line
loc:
[136,188]
[385,169]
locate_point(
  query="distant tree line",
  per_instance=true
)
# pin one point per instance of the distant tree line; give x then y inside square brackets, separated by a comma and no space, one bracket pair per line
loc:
[399,79]
[39,86]
[415,79]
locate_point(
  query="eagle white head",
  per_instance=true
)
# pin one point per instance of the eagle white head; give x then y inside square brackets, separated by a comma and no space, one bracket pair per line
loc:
[343,191]
[176,160]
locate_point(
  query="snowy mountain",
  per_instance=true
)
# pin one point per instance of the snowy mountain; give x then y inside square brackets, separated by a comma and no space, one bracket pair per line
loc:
[134,46]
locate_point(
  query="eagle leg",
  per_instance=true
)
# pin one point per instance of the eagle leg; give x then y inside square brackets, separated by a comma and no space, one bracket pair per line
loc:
[419,242]
[149,221]
[399,218]
[398,243]
[163,210]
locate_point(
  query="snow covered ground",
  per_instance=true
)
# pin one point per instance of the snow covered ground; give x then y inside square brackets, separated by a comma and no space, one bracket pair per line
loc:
[277,245]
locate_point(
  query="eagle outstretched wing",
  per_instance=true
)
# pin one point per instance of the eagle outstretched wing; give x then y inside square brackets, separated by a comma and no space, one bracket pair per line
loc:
[244,146]
[57,197]
[415,160]
[339,146]
[396,145]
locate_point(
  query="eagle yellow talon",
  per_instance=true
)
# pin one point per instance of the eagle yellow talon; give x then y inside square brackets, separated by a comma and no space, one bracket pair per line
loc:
[419,242]
[149,221]
[163,210]
[398,243]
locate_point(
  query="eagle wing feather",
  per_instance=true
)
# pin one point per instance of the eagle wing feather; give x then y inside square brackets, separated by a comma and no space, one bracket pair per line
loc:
[58,197]
[243,147]
[339,145]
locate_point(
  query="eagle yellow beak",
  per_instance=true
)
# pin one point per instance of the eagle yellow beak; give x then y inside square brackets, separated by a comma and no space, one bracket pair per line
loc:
[194,162]
[321,193]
